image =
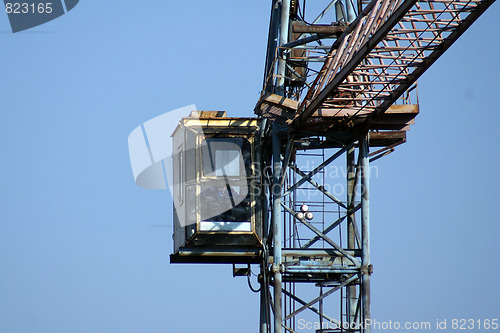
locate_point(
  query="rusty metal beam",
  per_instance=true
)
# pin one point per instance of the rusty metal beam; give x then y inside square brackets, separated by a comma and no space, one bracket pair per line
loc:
[319,29]
[379,62]
[429,60]
[356,59]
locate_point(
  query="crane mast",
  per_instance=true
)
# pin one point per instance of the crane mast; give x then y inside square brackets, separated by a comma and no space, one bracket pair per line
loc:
[289,189]
[339,81]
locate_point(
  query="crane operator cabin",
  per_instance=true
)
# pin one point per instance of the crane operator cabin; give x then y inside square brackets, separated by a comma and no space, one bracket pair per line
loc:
[217,188]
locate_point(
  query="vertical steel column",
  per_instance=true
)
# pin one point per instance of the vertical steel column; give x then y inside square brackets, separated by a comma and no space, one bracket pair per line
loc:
[272,44]
[321,312]
[360,6]
[264,301]
[284,26]
[351,293]
[351,14]
[365,233]
[276,220]
[265,316]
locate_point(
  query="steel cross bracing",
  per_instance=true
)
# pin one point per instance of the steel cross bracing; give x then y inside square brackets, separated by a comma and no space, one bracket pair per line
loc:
[329,250]
[323,254]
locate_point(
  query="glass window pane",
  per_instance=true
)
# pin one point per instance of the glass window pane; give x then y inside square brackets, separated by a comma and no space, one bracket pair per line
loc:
[223,157]
[227,162]
[224,202]
[190,157]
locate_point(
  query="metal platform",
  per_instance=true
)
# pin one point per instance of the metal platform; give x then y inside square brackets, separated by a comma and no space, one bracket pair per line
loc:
[218,255]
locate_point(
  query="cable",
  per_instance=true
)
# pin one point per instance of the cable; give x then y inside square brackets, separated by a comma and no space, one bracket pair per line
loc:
[302,13]
[250,283]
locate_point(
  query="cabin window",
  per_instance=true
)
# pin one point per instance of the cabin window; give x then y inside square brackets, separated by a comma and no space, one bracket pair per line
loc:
[190,157]
[225,199]
[191,216]
[224,157]
[180,180]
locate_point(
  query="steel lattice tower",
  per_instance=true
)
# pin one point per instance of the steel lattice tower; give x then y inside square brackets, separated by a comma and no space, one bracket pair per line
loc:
[290,190]
[335,87]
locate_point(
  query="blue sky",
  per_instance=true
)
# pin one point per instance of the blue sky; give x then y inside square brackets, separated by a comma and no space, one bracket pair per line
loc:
[80,247]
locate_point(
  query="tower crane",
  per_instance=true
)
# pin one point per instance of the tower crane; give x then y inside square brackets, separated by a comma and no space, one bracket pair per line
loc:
[347,84]
[258,190]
